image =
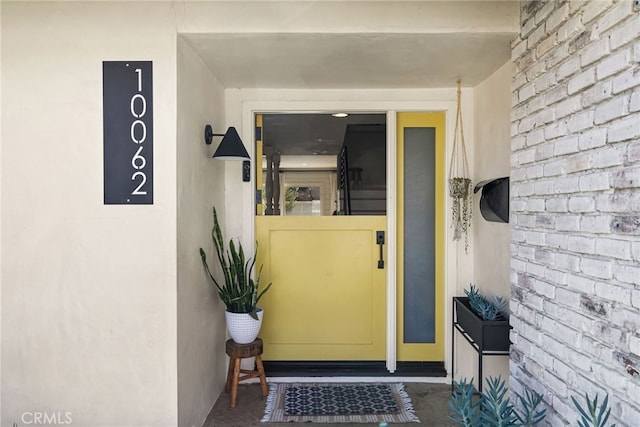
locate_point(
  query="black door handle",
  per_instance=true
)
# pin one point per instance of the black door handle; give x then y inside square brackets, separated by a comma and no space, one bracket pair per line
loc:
[380,243]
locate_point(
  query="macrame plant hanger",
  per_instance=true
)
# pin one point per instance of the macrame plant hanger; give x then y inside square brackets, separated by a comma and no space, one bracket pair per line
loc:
[460,181]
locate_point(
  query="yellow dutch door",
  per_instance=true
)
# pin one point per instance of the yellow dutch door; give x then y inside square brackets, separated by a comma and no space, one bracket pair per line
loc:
[328,301]
[328,298]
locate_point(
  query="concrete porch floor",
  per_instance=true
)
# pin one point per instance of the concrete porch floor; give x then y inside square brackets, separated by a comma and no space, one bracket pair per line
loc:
[430,402]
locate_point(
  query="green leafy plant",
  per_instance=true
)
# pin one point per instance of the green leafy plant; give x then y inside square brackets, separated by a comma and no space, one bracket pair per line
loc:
[290,194]
[591,416]
[494,309]
[239,291]
[492,407]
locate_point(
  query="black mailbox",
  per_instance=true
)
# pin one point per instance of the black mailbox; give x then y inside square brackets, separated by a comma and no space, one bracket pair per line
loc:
[494,200]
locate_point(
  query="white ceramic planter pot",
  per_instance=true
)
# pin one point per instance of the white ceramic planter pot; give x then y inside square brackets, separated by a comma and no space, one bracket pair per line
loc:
[243,328]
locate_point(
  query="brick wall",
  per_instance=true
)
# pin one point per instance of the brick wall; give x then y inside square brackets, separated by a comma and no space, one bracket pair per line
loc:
[575,250]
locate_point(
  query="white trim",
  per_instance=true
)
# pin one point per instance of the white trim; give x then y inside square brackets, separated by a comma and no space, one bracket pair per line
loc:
[248,191]
[391,240]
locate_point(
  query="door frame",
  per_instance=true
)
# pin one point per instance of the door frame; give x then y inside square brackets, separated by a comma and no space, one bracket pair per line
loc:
[446,104]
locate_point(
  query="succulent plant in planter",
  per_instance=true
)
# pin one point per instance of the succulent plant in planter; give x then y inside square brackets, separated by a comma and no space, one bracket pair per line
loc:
[239,291]
[489,309]
[485,320]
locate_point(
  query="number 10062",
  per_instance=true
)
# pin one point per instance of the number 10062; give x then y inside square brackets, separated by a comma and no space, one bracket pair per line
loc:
[138,136]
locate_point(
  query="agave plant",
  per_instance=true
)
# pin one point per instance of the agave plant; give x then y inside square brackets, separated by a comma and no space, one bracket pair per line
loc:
[239,291]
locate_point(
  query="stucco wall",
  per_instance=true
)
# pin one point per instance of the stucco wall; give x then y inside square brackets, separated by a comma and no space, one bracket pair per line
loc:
[201,335]
[1,287]
[575,203]
[88,290]
[491,240]
[492,159]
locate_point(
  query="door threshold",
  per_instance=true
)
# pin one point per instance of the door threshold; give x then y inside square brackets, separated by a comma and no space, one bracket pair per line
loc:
[353,369]
[288,380]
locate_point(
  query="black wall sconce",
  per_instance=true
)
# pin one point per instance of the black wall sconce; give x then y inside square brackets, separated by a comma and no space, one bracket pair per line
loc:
[230,148]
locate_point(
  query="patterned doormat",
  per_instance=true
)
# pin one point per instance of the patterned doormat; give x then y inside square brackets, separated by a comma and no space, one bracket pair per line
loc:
[339,403]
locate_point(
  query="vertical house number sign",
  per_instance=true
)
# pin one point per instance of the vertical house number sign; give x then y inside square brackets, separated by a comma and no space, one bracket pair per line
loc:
[128,132]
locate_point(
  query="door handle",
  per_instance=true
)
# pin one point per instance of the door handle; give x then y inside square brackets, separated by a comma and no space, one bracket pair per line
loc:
[380,243]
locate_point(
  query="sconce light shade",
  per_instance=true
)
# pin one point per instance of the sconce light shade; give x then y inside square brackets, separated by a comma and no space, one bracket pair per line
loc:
[231,146]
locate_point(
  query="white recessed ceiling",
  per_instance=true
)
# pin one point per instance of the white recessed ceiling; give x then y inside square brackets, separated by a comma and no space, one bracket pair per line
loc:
[353,60]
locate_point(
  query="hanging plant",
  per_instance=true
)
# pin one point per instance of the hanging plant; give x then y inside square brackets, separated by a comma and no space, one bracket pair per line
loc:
[460,181]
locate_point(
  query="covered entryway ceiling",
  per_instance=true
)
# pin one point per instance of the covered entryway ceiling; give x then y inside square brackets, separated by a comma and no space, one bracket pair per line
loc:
[356,44]
[325,61]
[348,44]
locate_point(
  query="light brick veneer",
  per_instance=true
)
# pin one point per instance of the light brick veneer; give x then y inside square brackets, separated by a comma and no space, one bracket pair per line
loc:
[575,268]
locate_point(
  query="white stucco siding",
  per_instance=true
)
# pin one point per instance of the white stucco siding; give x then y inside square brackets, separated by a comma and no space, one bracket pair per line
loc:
[201,331]
[89,302]
[491,254]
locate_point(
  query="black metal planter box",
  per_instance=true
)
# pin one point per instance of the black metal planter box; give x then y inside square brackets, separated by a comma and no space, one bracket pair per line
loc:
[488,335]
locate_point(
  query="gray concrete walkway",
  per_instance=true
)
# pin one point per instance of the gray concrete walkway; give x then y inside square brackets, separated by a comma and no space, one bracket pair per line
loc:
[430,402]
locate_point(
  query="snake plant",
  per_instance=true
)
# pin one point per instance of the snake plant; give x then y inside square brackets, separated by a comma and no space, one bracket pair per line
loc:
[239,291]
